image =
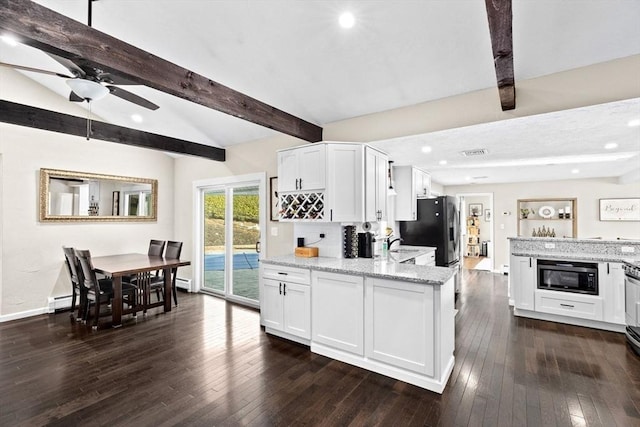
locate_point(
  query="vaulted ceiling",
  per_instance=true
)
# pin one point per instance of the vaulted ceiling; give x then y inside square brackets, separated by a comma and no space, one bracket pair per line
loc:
[294,56]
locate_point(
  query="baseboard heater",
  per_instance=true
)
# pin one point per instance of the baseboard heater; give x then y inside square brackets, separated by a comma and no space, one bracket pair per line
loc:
[184,284]
[60,303]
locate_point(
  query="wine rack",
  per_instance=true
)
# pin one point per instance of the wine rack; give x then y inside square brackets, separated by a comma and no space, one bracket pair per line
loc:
[306,206]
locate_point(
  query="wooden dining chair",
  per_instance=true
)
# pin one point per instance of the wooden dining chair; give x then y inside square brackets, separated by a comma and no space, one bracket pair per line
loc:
[100,292]
[173,251]
[77,288]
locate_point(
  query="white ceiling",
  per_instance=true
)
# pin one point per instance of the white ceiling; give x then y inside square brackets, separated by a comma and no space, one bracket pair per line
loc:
[293,55]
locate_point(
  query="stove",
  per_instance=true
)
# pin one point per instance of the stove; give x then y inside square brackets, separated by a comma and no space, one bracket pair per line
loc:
[632,303]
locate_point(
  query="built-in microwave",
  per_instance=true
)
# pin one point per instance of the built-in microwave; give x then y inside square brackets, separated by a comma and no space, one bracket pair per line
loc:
[579,277]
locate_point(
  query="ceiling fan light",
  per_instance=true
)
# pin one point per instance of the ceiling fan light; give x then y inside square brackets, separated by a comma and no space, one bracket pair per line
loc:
[87,89]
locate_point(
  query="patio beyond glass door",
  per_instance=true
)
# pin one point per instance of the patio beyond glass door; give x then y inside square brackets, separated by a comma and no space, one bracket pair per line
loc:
[231,241]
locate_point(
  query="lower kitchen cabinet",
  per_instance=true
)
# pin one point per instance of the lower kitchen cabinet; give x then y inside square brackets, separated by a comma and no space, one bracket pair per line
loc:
[569,304]
[285,306]
[522,281]
[611,286]
[400,324]
[338,311]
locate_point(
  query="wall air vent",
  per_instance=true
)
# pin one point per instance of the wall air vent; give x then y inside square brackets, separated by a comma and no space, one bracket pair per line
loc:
[475,152]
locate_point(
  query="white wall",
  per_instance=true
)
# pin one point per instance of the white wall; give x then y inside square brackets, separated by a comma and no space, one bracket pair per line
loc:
[587,191]
[32,260]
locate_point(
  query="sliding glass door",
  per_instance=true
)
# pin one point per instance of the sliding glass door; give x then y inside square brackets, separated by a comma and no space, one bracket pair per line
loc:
[231,229]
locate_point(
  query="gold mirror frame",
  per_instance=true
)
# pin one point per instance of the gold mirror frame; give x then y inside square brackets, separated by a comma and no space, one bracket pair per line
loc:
[47,174]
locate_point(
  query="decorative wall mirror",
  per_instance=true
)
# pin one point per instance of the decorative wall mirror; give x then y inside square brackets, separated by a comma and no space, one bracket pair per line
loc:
[67,196]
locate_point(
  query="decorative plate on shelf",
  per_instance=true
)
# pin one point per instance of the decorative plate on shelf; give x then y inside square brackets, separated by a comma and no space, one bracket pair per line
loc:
[546,212]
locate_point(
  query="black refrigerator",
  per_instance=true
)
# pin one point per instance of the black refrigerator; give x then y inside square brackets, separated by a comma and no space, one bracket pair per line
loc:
[437,225]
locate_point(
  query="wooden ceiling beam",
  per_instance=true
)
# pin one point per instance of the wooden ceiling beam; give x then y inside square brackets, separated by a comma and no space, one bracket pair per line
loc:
[38,118]
[51,32]
[500,18]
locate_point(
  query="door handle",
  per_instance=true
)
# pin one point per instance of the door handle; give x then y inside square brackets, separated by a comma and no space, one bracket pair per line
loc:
[530,264]
[296,183]
[280,288]
[284,291]
[258,246]
[300,183]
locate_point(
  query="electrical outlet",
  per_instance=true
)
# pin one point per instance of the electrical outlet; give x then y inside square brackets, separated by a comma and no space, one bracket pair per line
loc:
[274,231]
[627,249]
[549,245]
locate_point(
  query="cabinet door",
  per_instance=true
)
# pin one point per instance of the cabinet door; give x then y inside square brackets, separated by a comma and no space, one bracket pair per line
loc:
[287,170]
[611,288]
[522,279]
[345,198]
[381,185]
[423,184]
[406,202]
[400,324]
[311,167]
[271,304]
[337,311]
[297,309]
[371,194]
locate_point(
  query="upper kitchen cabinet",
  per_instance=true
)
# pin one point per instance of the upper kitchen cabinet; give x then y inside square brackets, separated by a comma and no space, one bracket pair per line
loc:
[376,164]
[345,179]
[302,168]
[411,184]
[352,185]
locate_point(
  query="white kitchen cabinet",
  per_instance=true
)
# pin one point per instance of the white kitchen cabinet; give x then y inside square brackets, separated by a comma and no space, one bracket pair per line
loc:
[337,307]
[285,305]
[376,164]
[428,259]
[345,180]
[522,281]
[302,168]
[410,185]
[569,304]
[611,288]
[400,324]
[422,183]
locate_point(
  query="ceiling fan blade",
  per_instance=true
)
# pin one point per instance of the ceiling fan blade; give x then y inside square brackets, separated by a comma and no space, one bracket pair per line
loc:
[131,97]
[75,98]
[69,64]
[34,70]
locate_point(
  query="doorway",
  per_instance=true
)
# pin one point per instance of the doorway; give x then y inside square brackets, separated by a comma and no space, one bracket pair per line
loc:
[476,225]
[231,220]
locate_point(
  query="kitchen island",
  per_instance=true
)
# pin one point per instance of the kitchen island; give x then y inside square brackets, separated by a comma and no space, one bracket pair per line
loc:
[603,307]
[379,314]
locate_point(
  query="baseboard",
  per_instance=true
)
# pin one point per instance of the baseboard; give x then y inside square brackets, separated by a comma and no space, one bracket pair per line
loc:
[23,314]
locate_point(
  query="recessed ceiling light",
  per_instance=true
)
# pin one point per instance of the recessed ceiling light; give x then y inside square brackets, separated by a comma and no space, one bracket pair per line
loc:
[610,146]
[9,40]
[575,170]
[633,123]
[347,20]
[136,118]
[468,178]
[426,149]
[443,162]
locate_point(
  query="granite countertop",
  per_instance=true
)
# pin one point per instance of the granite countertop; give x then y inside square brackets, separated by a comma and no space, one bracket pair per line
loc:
[574,239]
[383,267]
[577,256]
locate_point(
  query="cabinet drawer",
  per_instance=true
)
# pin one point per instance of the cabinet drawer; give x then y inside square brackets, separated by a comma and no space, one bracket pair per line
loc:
[574,306]
[290,274]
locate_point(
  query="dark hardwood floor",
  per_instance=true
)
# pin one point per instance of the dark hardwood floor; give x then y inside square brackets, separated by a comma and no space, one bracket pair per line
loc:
[209,363]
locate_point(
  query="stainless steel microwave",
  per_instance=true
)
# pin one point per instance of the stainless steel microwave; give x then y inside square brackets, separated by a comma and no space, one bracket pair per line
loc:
[568,276]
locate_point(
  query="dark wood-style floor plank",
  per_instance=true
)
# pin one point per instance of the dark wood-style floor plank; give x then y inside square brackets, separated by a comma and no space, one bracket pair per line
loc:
[209,363]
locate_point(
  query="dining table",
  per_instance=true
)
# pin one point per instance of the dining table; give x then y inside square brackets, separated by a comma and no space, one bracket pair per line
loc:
[126,265]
